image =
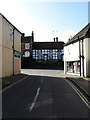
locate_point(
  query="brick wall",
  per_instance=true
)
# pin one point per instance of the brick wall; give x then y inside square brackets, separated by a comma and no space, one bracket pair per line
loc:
[17,65]
[23,49]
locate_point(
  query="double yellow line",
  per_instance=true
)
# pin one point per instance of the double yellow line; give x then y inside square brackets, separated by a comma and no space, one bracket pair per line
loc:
[84,99]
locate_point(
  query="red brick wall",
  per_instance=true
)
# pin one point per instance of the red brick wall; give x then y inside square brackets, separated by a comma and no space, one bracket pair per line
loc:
[17,65]
[23,49]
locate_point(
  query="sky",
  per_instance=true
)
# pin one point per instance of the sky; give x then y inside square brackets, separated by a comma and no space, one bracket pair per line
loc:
[47,18]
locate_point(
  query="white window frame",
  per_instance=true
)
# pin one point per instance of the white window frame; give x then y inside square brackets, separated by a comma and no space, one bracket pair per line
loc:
[27,46]
[10,34]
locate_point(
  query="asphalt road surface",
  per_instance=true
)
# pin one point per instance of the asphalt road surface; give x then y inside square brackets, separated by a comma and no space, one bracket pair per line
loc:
[43,94]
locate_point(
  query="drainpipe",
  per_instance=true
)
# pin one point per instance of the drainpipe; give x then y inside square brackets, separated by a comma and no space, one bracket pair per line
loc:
[79,54]
[82,58]
[32,41]
[13,50]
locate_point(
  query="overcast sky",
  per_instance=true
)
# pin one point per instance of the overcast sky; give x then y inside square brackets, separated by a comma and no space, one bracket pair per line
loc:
[46,19]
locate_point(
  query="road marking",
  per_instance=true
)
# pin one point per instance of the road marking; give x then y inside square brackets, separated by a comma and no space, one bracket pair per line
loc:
[35,99]
[84,99]
[9,86]
[80,95]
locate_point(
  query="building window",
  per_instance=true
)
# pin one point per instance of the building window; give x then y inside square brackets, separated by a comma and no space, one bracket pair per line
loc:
[42,51]
[10,34]
[33,53]
[33,50]
[54,57]
[48,57]
[33,57]
[39,51]
[45,57]
[45,51]
[36,53]
[39,56]
[36,58]
[27,46]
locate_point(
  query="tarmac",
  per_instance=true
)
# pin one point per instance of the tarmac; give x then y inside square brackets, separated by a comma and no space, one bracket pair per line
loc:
[83,84]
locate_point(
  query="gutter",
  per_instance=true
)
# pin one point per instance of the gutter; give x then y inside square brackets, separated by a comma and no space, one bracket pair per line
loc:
[80,88]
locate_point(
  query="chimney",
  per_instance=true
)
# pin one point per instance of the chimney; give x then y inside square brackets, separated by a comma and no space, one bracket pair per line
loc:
[56,39]
[32,36]
[23,34]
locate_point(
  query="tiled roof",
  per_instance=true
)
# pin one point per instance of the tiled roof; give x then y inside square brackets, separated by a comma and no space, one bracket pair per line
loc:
[48,45]
[84,33]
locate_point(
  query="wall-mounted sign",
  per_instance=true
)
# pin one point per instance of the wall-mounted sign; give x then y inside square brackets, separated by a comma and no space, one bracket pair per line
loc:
[17,53]
[27,54]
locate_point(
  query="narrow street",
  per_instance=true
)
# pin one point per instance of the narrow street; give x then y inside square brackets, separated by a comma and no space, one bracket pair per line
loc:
[43,94]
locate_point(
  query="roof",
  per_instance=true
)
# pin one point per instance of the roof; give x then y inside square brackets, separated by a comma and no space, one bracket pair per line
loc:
[10,23]
[27,39]
[84,33]
[48,45]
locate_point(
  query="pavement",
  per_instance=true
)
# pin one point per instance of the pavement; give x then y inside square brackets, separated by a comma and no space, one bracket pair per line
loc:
[11,79]
[83,84]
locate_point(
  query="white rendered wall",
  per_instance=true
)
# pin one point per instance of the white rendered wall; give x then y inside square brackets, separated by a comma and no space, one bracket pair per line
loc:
[0,46]
[88,56]
[85,57]
[71,52]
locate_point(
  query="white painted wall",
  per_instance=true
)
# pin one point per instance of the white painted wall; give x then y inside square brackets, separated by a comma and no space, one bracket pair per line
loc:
[0,46]
[88,57]
[65,67]
[85,56]
[71,52]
